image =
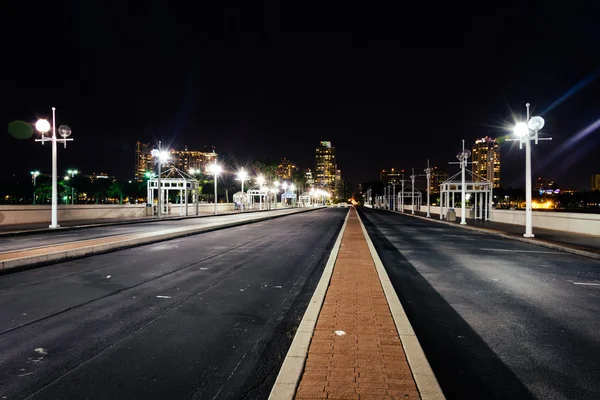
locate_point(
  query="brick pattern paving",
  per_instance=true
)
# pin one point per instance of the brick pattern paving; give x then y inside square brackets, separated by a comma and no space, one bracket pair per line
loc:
[368,361]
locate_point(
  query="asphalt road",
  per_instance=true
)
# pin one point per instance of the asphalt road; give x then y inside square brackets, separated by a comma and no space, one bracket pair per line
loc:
[497,319]
[201,317]
[45,238]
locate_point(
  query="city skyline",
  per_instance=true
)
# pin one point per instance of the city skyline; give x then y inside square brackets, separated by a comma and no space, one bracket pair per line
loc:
[252,85]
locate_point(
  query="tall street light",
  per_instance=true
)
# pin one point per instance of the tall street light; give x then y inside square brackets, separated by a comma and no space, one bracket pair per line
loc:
[428,174]
[34,174]
[525,132]
[72,173]
[215,170]
[160,157]
[463,157]
[412,178]
[242,176]
[43,126]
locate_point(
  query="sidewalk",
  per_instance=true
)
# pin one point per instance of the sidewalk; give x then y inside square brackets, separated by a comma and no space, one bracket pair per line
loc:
[356,350]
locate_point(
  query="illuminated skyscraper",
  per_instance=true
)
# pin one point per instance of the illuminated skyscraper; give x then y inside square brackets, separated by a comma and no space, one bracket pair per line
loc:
[286,169]
[486,160]
[143,160]
[325,165]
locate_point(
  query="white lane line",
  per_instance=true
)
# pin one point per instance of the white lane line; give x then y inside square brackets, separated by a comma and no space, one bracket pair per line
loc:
[524,251]
[293,364]
[586,283]
[164,297]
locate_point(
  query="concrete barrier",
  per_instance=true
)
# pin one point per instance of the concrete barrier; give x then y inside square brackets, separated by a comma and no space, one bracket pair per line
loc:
[588,224]
[27,214]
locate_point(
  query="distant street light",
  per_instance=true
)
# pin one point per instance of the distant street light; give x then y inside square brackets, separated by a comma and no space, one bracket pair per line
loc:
[72,173]
[428,173]
[215,170]
[412,178]
[43,126]
[160,156]
[242,176]
[525,132]
[463,157]
[34,174]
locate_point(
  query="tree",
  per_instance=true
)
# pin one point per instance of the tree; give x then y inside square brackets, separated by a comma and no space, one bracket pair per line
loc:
[115,190]
[299,179]
[343,190]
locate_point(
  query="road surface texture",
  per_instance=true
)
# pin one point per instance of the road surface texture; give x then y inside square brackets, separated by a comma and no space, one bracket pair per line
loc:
[201,317]
[497,318]
[48,237]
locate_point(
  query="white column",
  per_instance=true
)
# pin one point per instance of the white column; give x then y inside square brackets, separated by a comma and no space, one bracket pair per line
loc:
[528,211]
[54,222]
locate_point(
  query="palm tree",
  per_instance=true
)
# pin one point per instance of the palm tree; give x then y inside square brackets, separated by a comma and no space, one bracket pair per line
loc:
[343,190]
[299,179]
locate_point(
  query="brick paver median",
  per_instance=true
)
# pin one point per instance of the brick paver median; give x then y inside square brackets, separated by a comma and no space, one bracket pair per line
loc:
[355,352]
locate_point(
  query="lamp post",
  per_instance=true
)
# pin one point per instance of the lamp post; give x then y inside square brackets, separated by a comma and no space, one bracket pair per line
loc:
[72,173]
[215,169]
[160,157]
[43,126]
[412,179]
[525,132]
[260,180]
[462,157]
[34,174]
[428,174]
[242,176]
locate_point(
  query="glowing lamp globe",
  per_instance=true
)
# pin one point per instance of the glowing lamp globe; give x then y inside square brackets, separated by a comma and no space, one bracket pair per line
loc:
[42,125]
[521,129]
[536,123]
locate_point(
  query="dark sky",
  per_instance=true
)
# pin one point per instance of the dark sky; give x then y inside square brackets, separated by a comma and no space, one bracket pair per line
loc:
[388,86]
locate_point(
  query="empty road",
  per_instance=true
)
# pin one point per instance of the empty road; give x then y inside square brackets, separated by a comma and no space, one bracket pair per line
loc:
[201,317]
[497,318]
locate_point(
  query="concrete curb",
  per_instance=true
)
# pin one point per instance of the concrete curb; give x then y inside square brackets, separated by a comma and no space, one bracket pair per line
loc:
[293,365]
[142,239]
[425,379]
[489,231]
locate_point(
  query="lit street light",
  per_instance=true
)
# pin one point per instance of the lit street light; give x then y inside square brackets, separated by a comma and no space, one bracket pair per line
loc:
[428,173]
[463,157]
[34,174]
[525,132]
[43,126]
[72,173]
[160,156]
[242,176]
[215,170]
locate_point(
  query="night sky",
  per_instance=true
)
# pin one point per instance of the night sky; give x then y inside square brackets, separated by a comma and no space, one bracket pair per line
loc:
[388,86]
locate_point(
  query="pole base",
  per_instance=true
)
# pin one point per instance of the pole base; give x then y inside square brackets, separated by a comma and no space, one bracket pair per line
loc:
[54,226]
[463,223]
[528,235]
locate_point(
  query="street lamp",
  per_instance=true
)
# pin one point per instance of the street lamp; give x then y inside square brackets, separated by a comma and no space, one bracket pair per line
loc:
[160,156]
[428,173]
[242,176]
[412,178]
[43,126]
[525,132]
[215,170]
[34,174]
[72,173]
[463,157]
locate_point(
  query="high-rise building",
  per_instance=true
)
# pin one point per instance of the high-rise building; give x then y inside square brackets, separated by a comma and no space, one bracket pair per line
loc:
[486,160]
[438,176]
[143,160]
[338,175]
[391,176]
[286,169]
[325,164]
[184,160]
[596,182]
